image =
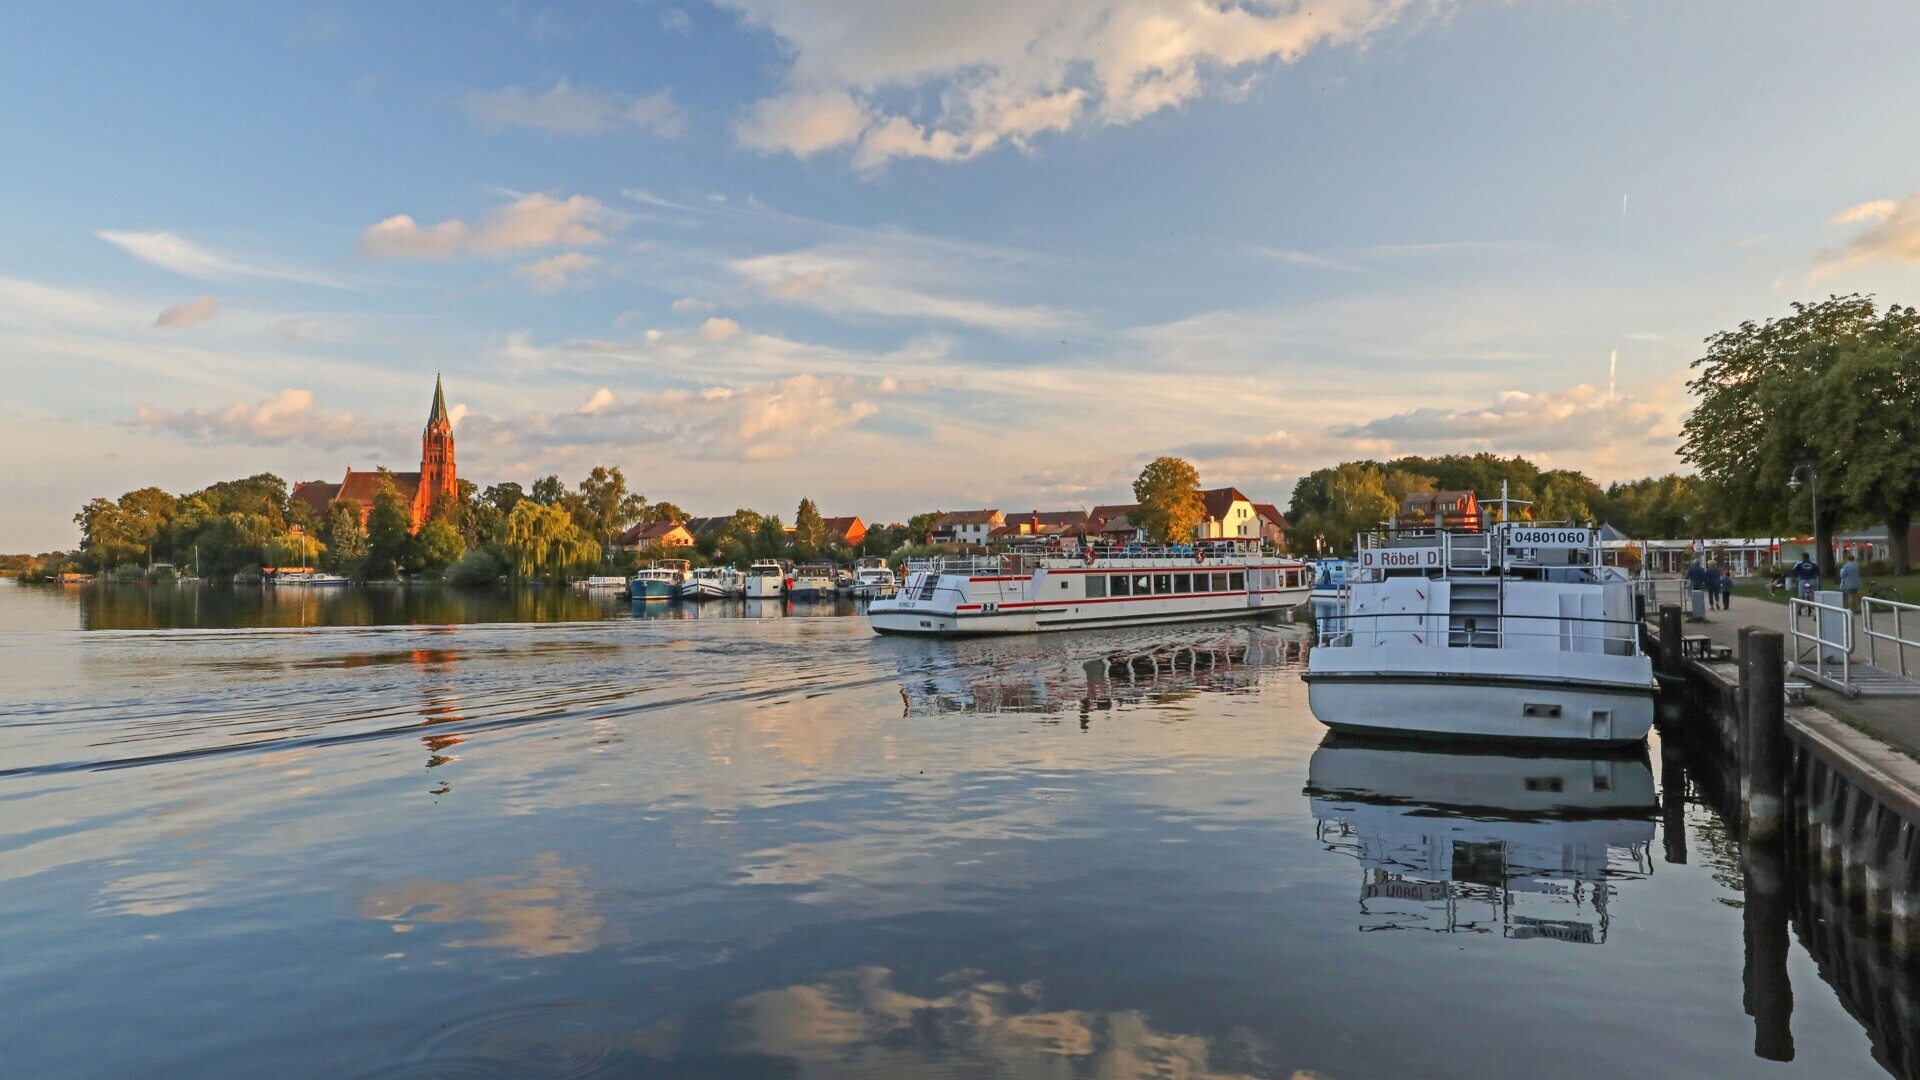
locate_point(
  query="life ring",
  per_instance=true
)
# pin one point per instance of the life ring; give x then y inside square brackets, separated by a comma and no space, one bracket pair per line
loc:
[1199,554]
[1089,555]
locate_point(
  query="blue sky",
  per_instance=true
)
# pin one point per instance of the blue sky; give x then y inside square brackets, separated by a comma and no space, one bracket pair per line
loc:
[901,256]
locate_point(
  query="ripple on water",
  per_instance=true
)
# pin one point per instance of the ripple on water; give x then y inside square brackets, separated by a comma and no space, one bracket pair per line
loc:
[553,1041]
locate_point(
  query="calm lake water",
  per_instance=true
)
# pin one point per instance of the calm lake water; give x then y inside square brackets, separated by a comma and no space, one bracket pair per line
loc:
[737,847]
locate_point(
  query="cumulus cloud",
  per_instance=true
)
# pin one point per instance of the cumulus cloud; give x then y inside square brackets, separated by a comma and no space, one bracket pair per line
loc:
[532,221]
[1893,235]
[553,274]
[719,329]
[170,251]
[188,312]
[692,303]
[599,401]
[1579,418]
[569,110]
[1004,71]
[286,417]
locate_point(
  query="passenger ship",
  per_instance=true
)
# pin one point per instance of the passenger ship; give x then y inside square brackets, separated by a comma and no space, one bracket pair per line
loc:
[1030,591]
[1517,632]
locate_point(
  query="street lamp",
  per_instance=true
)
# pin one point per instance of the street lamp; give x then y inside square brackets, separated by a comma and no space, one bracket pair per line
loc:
[1805,474]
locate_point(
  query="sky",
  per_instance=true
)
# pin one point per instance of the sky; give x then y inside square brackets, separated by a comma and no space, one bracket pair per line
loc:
[906,256]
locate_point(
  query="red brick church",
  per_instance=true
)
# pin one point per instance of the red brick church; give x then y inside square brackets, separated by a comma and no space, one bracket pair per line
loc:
[435,480]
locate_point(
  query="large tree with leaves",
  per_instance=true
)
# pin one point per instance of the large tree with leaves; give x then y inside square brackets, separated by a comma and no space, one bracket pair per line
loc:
[1867,415]
[1758,418]
[545,541]
[390,543]
[609,506]
[1168,491]
[809,528]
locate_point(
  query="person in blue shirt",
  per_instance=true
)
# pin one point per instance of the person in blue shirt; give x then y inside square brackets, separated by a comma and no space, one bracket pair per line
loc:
[1696,576]
[1850,583]
[1807,574]
[1726,587]
[1712,585]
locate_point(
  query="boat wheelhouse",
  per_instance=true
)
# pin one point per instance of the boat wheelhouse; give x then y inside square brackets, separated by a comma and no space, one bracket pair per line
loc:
[660,581]
[767,579]
[1047,589]
[873,579]
[1513,632]
[811,581]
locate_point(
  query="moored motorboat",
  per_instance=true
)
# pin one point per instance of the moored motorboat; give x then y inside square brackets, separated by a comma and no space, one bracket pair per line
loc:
[1513,632]
[706,583]
[767,579]
[873,579]
[811,581]
[1047,589]
[660,581]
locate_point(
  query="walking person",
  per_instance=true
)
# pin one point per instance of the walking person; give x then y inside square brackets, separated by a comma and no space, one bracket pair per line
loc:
[1726,587]
[1711,583]
[1696,577]
[1850,583]
[1806,575]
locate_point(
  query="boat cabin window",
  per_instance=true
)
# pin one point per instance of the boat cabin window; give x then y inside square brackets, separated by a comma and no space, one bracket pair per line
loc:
[1236,581]
[1183,583]
[1163,583]
[1096,586]
[1142,585]
[1219,583]
[1120,585]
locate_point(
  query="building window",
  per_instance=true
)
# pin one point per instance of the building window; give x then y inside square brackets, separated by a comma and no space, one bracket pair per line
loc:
[1183,583]
[1096,586]
[1121,585]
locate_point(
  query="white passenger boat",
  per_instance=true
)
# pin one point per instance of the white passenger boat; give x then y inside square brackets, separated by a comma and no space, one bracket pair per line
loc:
[767,579]
[1025,592]
[873,579]
[811,581]
[1529,844]
[1515,632]
[706,583]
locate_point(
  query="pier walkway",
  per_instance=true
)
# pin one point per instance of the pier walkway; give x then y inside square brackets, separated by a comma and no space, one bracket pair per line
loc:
[1894,721]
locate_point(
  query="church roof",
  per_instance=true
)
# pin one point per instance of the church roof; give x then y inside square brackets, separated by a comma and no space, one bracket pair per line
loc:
[439,413]
[360,486]
[316,495]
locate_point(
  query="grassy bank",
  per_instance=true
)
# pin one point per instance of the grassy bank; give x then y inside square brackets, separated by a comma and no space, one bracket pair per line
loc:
[1905,588]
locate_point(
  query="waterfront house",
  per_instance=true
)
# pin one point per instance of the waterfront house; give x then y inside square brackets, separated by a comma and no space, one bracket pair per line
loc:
[845,530]
[1443,509]
[704,528]
[1113,524]
[1229,516]
[1273,523]
[657,536]
[967,526]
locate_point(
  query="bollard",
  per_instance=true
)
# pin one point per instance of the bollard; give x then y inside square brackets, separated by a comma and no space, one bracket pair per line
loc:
[1742,709]
[1764,760]
[1670,632]
[1640,619]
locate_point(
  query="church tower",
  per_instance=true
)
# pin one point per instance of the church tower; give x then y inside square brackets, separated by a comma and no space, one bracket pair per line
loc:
[438,480]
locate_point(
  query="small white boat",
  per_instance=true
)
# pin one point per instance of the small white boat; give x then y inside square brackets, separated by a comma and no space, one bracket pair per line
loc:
[601,583]
[767,579]
[1516,632]
[811,581]
[873,579]
[1045,589]
[706,583]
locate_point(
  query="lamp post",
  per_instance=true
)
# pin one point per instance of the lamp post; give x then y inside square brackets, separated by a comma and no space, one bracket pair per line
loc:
[1806,474]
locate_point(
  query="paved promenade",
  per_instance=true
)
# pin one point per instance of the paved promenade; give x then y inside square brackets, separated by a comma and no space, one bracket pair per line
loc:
[1892,720]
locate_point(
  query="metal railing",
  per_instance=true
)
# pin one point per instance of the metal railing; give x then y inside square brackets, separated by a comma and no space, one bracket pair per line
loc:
[1832,651]
[1487,631]
[1873,618]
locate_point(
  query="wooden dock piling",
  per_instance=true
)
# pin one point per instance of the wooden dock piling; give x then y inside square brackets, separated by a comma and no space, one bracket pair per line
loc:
[1763,760]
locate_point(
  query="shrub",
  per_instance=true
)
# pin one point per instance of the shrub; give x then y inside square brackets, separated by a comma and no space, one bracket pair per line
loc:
[474,567]
[1876,567]
[126,572]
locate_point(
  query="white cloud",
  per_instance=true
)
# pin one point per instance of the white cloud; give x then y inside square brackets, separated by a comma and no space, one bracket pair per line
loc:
[676,20]
[189,312]
[719,329]
[1004,71]
[170,251]
[907,277]
[1305,258]
[692,303]
[803,123]
[599,401]
[532,221]
[286,417]
[1892,236]
[553,274]
[569,110]
[1581,418]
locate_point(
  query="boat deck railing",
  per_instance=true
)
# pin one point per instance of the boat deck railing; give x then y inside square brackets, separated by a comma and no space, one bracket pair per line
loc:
[1490,631]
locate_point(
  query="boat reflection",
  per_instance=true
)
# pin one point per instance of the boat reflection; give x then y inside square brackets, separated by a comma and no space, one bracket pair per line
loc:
[1461,842]
[1155,671]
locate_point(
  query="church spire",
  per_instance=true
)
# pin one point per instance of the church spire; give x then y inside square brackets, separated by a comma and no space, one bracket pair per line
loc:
[439,413]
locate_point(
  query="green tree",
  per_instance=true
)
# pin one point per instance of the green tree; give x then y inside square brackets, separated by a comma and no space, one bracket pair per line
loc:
[1357,501]
[608,507]
[544,541]
[438,544]
[487,511]
[656,513]
[547,491]
[107,538]
[1171,508]
[1564,495]
[809,529]
[920,526]
[770,538]
[1867,414]
[389,539]
[346,540]
[1757,418]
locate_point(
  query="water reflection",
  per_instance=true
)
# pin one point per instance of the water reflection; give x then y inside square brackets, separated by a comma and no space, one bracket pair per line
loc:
[1525,847]
[546,911]
[1141,670]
